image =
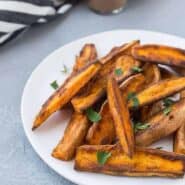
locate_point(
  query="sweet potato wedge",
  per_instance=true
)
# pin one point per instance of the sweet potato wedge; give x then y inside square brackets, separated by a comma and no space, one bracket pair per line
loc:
[145,162]
[161,125]
[150,110]
[120,114]
[87,54]
[65,93]
[152,75]
[179,136]
[179,70]
[134,84]
[97,88]
[159,91]
[104,132]
[74,135]
[117,51]
[160,54]
[179,140]
[125,63]
[158,106]
[166,74]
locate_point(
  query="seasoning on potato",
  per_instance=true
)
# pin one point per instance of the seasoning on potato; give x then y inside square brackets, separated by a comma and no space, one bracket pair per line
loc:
[121,103]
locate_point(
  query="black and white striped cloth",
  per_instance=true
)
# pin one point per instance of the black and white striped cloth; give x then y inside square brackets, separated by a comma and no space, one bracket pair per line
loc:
[16,16]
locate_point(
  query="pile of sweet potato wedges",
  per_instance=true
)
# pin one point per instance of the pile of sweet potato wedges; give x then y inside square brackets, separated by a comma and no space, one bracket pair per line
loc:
[122,103]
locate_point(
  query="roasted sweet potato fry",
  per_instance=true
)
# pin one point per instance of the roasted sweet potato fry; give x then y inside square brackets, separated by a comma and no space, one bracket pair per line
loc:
[166,74]
[179,136]
[150,110]
[133,84]
[152,75]
[179,70]
[120,114]
[104,132]
[179,140]
[97,88]
[125,63]
[160,54]
[74,135]
[117,51]
[145,162]
[157,107]
[64,94]
[87,54]
[162,125]
[77,127]
[159,91]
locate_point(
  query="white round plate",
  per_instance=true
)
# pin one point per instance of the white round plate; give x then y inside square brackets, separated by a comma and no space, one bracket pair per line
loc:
[38,89]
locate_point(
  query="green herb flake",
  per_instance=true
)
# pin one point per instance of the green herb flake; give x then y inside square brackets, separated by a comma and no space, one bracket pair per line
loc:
[54,85]
[135,102]
[167,110]
[65,69]
[118,72]
[168,102]
[140,126]
[159,148]
[136,69]
[102,157]
[132,97]
[93,115]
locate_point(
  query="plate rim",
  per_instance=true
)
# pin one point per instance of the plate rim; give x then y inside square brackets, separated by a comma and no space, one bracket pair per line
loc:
[44,60]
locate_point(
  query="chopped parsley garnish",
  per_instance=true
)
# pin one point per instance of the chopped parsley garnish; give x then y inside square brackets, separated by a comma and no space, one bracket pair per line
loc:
[93,115]
[140,126]
[167,102]
[118,72]
[167,110]
[102,157]
[54,85]
[137,69]
[132,97]
[64,70]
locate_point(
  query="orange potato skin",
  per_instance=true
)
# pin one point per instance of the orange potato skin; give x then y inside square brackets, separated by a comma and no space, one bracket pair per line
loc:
[162,125]
[145,162]
[159,91]
[103,132]
[150,110]
[78,125]
[96,134]
[166,74]
[152,75]
[160,54]
[120,114]
[179,140]
[120,50]
[87,54]
[179,136]
[65,92]
[74,135]
[97,89]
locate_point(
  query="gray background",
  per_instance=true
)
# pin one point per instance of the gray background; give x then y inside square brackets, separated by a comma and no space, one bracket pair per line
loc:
[19,164]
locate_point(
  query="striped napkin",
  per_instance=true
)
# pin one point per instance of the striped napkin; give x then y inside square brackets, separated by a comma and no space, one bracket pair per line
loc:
[16,16]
